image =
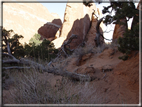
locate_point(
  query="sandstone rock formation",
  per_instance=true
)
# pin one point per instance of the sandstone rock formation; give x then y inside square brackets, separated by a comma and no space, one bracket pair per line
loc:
[92,32]
[49,30]
[119,30]
[77,20]
[26,18]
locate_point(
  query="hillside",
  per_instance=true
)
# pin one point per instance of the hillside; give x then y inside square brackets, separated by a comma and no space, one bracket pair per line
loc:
[83,70]
[117,84]
[26,18]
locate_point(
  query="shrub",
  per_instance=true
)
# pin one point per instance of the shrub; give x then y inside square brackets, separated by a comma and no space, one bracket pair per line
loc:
[129,43]
[44,51]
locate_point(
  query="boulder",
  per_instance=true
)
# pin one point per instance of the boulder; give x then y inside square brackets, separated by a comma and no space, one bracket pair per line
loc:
[48,30]
[57,22]
[107,68]
[77,20]
[85,70]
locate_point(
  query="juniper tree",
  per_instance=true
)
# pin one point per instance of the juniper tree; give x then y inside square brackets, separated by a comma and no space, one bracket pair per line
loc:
[124,10]
[14,46]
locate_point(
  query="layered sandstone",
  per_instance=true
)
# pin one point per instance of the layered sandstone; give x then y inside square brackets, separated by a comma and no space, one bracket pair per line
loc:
[49,30]
[92,32]
[26,18]
[77,20]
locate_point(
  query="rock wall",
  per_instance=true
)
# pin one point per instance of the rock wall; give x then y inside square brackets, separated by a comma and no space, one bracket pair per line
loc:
[119,30]
[26,18]
[77,20]
[92,32]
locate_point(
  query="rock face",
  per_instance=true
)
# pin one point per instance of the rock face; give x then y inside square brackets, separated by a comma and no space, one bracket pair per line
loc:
[77,20]
[92,32]
[119,30]
[49,30]
[26,18]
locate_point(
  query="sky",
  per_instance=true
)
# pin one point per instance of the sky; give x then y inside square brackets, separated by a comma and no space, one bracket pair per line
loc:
[59,8]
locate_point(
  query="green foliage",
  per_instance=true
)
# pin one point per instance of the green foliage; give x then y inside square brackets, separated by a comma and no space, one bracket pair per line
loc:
[124,10]
[44,51]
[16,47]
[125,57]
[35,49]
[36,39]
[130,41]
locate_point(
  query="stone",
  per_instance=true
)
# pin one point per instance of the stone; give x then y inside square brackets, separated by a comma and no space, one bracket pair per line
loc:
[83,58]
[86,56]
[48,30]
[85,70]
[89,70]
[107,68]
[92,32]
[119,30]
[26,18]
[77,20]
[57,22]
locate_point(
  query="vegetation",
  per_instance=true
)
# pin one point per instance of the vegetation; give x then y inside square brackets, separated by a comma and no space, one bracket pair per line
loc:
[35,40]
[16,48]
[35,49]
[33,86]
[44,51]
[124,10]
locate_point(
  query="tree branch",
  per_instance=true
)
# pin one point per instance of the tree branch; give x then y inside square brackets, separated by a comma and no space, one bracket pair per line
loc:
[15,67]
[7,54]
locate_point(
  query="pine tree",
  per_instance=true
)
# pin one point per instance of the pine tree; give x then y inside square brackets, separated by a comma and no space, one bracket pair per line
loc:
[124,10]
[16,48]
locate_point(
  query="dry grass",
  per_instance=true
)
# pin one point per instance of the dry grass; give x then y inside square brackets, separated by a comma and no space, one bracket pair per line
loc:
[91,49]
[32,87]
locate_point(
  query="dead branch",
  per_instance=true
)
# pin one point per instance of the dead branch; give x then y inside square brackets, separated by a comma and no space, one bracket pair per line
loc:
[74,76]
[10,61]
[98,33]
[15,67]
[79,60]
[64,47]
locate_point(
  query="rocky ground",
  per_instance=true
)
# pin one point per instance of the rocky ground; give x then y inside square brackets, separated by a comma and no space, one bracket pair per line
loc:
[116,81]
